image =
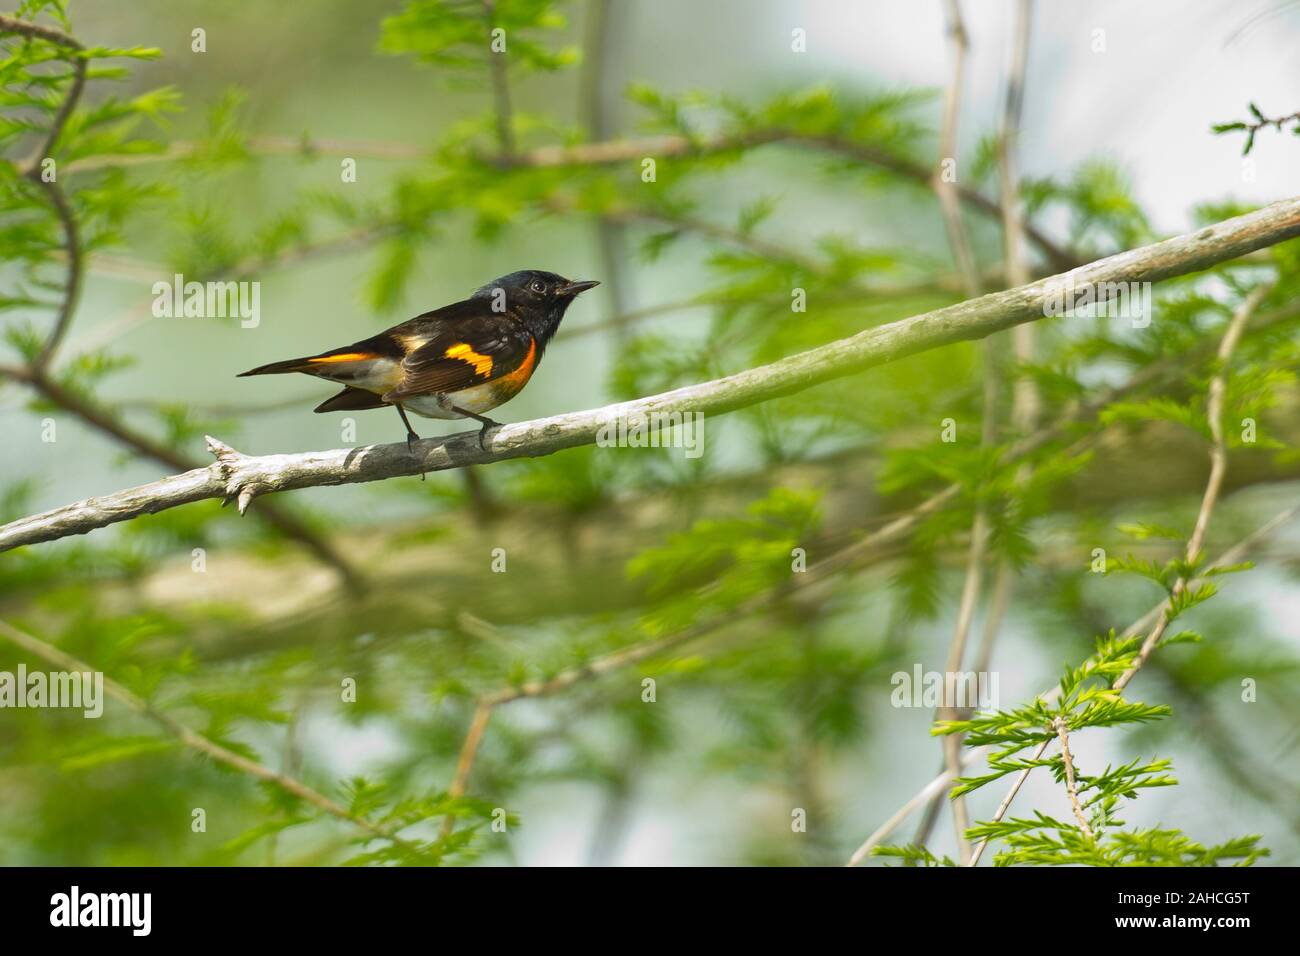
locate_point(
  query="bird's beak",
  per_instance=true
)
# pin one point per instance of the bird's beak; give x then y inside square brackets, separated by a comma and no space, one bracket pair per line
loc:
[582,285]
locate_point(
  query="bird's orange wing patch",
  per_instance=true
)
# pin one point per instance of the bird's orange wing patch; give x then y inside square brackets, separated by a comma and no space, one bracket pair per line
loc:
[462,351]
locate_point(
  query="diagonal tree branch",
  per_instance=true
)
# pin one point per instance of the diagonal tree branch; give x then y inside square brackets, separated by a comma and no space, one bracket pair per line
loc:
[846,558]
[621,151]
[238,477]
[199,743]
[305,147]
[1218,468]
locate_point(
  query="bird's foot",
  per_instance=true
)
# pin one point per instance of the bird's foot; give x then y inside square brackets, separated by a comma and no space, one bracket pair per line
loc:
[411,439]
[488,425]
[486,422]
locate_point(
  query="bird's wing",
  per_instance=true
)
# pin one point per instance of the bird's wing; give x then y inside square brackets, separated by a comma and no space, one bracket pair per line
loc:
[459,355]
[392,344]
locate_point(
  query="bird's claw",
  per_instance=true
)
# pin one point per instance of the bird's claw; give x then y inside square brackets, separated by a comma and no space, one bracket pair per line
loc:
[411,439]
[487,426]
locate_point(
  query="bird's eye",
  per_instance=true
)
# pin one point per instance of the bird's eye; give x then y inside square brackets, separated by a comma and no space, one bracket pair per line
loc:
[538,285]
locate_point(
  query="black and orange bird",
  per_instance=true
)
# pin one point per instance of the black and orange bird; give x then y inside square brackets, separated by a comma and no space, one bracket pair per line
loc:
[455,362]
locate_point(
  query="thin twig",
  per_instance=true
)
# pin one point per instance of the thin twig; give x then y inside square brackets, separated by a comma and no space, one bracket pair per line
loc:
[1252,129]
[500,86]
[626,215]
[53,191]
[465,761]
[1005,805]
[944,179]
[300,146]
[1063,735]
[596,98]
[1024,396]
[1024,402]
[75,269]
[620,151]
[73,276]
[1218,467]
[1022,337]
[965,615]
[945,186]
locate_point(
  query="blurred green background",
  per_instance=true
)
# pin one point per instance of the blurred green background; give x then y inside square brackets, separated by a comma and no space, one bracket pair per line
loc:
[771,711]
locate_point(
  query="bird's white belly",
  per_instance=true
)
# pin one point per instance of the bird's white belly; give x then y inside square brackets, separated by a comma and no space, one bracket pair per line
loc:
[479,399]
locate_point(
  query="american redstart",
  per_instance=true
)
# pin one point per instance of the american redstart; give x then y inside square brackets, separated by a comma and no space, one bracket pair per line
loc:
[455,362]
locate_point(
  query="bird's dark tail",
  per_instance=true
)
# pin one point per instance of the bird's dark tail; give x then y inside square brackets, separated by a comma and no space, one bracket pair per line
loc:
[349,400]
[279,368]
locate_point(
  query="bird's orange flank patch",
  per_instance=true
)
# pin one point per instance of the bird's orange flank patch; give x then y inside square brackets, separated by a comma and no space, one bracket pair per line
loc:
[519,377]
[482,363]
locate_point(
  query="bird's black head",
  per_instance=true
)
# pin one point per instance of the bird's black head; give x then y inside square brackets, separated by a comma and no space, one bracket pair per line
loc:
[538,298]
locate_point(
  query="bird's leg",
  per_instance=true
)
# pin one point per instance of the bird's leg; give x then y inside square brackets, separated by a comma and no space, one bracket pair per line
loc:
[487,422]
[411,436]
